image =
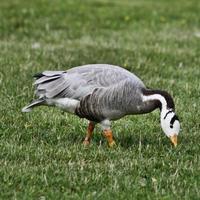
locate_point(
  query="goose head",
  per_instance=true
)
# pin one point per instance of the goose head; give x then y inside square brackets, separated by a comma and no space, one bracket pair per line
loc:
[170,125]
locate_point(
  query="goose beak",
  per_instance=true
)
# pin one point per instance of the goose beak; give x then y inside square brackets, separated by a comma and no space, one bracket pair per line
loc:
[174,140]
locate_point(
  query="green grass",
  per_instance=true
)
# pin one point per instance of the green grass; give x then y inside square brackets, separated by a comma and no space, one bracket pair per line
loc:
[41,154]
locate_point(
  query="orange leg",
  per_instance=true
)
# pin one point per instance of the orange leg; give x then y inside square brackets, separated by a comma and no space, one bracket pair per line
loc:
[89,133]
[109,136]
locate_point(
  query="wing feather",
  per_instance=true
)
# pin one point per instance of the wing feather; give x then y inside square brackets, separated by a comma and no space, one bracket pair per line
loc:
[45,79]
[80,81]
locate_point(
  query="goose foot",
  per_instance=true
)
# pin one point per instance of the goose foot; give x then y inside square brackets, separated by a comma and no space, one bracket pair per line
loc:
[86,143]
[88,137]
[109,136]
[112,144]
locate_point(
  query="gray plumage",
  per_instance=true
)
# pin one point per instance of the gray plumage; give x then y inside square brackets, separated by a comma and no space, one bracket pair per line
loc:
[101,91]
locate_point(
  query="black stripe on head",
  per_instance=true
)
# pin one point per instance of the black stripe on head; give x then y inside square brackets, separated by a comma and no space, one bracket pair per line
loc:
[174,118]
[167,113]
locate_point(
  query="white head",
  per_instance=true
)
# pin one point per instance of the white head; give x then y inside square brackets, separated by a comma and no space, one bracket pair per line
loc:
[169,121]
[170,125]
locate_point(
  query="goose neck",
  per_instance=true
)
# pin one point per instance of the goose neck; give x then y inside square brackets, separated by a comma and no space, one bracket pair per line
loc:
[163,99]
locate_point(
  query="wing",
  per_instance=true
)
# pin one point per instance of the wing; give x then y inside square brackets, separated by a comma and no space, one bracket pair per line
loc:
[80,81]
[104,75]
[59,85]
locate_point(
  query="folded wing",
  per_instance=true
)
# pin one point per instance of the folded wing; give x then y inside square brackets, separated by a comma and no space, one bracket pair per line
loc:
[80,81]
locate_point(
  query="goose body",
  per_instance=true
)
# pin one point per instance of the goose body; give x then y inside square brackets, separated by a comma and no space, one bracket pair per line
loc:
[100,93]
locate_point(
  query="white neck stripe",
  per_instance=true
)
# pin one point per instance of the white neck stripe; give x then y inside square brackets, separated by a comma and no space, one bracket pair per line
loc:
[155,97]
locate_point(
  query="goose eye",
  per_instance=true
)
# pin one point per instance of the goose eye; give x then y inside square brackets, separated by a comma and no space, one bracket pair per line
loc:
[171,126]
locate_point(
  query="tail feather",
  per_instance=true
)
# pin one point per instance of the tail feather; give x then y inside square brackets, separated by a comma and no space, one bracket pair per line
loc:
[37,102]
[48,73]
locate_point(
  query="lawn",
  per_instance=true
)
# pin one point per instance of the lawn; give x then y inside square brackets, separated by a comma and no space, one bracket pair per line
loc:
[41,153]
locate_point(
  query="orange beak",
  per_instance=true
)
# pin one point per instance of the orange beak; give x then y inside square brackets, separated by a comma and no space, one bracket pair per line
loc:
[174,140]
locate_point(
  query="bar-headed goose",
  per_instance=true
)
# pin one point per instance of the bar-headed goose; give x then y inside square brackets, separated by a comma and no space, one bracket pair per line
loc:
[102,93]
